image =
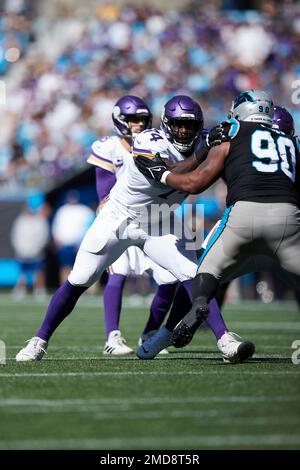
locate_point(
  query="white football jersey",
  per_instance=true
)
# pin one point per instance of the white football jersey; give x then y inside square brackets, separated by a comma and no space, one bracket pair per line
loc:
[133,192]
[109,153]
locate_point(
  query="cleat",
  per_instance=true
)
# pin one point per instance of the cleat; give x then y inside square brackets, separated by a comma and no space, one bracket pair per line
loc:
[185,330]
[234,351]
[116,345]
[152,346]
[148,335]
[34,351]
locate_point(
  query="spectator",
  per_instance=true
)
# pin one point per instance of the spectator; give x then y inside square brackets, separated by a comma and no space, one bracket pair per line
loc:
[70,223]
[59,104]
[29,237]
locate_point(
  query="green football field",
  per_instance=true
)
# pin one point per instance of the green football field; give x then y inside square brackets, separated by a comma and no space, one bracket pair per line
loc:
[77,399]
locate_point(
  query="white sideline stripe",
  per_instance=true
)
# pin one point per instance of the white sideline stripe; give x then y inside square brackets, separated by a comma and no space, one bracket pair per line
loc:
[245,325]
[150,442]
[145,401]
[137,302]
[150,373]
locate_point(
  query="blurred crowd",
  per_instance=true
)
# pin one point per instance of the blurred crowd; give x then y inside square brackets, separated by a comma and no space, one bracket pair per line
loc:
[63,75]
[60,77]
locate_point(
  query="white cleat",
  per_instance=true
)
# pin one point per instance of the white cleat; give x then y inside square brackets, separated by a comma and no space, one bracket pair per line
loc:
[148,335]
[234,351]
[33,351]
[116,345]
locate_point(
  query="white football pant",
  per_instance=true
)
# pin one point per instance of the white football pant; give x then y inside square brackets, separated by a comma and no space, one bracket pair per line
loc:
[113,232]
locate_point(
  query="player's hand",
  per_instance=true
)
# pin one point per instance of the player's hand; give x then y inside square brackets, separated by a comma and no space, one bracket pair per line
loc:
[218,134]
[151,168]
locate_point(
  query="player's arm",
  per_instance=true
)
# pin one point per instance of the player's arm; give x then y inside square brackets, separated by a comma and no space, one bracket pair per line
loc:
[101,157]
[193,182]
[189,164]
[105,180]
[204,176]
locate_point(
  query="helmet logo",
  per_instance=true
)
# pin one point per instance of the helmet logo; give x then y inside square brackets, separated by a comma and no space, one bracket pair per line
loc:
[242,98]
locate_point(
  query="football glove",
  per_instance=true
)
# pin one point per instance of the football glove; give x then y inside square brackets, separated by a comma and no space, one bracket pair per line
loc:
[151,168]
[218,134]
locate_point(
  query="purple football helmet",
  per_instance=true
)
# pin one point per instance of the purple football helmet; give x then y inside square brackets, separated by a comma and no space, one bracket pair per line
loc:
[126,107]
[182,122]
[283,121]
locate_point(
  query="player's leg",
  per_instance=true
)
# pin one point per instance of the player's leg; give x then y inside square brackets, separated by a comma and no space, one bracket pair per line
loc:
[159,307]
[248,229]
[98,250]
[226,341]
[214,319]
[225,252]
[182,303]
[115,344]
[288,251]
[163,298]
[171,253]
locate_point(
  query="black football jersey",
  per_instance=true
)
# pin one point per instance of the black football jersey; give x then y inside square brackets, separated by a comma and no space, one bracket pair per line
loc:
[261,166]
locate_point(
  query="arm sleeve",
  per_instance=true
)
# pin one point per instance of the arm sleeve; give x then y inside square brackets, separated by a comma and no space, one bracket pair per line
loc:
[105,180]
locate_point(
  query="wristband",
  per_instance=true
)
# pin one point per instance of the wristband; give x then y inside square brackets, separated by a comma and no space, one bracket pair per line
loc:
[164,176]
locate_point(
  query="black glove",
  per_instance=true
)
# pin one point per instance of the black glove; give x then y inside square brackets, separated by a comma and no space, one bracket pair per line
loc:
[218,134]
[151,168]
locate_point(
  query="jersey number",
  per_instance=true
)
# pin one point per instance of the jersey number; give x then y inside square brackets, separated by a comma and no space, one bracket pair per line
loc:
[154,135]
[281,154]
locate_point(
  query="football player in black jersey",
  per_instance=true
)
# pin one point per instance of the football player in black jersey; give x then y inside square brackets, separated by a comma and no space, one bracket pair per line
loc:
[260,166]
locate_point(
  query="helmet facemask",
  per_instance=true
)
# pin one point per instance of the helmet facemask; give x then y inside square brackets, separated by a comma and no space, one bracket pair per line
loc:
[184,132]
[133,123]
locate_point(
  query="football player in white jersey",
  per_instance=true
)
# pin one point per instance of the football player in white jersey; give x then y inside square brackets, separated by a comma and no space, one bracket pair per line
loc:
[131,217]
[111,155]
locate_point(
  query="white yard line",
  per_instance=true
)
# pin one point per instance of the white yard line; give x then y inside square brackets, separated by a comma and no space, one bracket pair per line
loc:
[196,354]
[159,442]
[231,371]
[6,402]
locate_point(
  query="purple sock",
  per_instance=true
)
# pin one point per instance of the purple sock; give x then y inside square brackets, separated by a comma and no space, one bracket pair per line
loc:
[214,320]
[160,306]
[60,306]
[112,298]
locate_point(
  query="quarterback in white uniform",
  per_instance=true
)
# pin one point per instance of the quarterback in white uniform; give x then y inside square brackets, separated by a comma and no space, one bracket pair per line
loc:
[128,219]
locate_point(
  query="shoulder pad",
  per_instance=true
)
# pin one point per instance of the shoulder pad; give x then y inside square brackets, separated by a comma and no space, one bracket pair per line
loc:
[101,154]
[102,147]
